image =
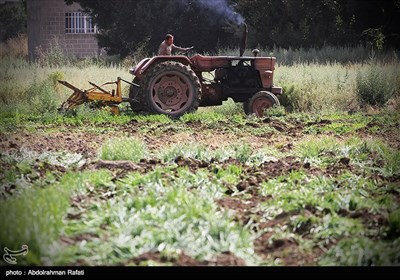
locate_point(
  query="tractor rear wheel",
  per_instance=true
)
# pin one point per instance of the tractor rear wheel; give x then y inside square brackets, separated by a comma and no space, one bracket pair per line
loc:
[171,88]
[260,102]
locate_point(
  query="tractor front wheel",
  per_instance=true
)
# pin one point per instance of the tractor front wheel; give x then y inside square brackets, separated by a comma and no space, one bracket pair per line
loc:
[171,88]
[260,102]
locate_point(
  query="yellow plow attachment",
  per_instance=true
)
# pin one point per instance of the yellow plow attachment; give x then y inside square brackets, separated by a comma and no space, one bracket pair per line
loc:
[96,93]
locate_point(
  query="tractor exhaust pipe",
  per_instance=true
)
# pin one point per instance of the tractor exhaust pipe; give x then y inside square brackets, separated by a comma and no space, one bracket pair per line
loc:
[243,42]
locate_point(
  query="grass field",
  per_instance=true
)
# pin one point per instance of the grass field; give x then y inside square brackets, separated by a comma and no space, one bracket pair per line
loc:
[316,185]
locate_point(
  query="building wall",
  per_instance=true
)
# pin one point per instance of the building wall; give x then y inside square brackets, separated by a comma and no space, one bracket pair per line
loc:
[46,28]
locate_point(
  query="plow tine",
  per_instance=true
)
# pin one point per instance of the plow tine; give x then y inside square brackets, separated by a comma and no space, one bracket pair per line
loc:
[99,88]
[68,85]
[77,98]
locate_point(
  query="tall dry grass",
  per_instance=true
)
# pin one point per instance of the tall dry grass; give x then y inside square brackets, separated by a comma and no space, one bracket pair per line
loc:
[321,84]
[325,55]
[336,87]
[16,47]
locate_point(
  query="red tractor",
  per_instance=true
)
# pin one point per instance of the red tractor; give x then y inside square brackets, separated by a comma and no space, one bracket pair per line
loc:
[175,85]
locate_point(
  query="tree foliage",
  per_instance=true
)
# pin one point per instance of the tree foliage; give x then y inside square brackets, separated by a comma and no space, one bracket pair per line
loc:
[128,25]
[131,24]
[309,23]
[13,19]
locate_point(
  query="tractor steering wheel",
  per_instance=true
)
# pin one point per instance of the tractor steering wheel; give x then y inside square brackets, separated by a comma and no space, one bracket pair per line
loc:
[189,51]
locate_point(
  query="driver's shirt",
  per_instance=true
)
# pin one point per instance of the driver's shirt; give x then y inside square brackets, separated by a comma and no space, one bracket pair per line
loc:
[164,49]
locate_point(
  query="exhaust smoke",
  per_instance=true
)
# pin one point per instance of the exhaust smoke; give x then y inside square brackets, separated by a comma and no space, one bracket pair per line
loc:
[243,42]
[223,9]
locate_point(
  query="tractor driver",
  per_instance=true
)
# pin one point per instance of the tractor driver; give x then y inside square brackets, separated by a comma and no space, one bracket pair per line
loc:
[167,46]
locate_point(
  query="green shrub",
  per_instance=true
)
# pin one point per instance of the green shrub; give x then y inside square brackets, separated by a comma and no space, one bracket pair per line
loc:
[243,152]
[54,77]
[394,223]
[374,87]
[42,97]
[36,216]
[275,111]
[229,108]
[195,151]
[362,251]
[286,98]
[123,149]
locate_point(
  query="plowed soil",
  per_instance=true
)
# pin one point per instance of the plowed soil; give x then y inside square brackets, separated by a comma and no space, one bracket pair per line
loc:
[243,198]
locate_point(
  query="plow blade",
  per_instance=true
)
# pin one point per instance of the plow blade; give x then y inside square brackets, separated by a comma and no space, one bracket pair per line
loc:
[77,98]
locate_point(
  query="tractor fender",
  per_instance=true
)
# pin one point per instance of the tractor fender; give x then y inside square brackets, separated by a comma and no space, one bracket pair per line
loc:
[146,63]
[135,70]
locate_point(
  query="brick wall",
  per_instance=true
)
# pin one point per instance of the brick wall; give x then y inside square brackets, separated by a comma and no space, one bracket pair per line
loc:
[46,28]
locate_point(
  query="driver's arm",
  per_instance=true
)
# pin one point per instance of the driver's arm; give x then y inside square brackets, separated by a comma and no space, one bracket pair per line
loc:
[176,48]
